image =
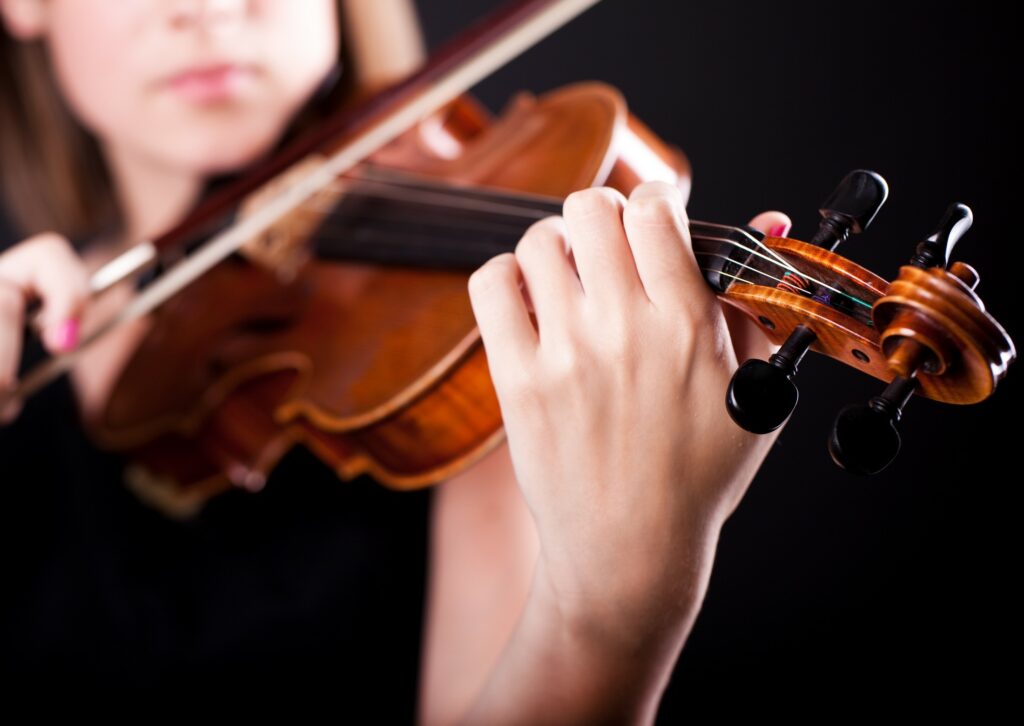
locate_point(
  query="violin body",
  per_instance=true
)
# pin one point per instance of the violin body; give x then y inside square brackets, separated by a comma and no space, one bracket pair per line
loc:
[331,333]
[375,368]
[327,302]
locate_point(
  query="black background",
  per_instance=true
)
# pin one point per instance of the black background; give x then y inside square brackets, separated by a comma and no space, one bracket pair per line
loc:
[832,592]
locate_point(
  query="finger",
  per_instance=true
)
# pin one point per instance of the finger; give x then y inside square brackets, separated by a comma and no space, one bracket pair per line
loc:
[658,229]
[593,218]
[508,334]
[550,279]
[47,266]
[12,305]
[748,339]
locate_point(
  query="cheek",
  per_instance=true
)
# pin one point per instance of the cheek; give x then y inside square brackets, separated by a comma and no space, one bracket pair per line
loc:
[300,47]
[302,43]
[88,46]
[107,55]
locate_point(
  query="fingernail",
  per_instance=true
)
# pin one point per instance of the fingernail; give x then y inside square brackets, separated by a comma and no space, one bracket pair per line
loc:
[66,336]
[779,230]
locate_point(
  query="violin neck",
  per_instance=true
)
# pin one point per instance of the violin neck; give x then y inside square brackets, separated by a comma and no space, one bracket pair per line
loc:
[390,219]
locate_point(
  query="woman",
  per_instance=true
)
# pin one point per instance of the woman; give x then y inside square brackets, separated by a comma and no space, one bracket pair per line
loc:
[565,569]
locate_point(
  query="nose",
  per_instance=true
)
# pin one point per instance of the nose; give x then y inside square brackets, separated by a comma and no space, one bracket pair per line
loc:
[213,16]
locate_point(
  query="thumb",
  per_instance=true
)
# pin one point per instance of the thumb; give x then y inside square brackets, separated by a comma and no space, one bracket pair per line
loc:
[748,339]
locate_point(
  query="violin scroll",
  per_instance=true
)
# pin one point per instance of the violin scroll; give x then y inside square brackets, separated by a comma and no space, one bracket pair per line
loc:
[927,332]
[932,323]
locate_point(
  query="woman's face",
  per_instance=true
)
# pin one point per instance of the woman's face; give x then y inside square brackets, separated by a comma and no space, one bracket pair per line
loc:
[201,86]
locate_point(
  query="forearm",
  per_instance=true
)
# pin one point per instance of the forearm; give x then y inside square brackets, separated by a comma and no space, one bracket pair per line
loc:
[562,667]
[611,397]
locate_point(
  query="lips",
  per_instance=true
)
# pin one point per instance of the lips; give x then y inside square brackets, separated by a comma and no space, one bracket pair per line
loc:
[212,83]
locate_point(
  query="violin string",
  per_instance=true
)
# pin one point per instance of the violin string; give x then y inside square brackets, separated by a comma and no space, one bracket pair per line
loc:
[776,257]
[497,215]
[457,202]
[417,181]
[427,242]
[788,267]
[410,180]
[765,274]
[458,193]
[448,81]
[461,190]
[59,364]
[417,233]
[469,204]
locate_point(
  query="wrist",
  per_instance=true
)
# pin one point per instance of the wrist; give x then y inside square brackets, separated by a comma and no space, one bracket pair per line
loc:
[643,613]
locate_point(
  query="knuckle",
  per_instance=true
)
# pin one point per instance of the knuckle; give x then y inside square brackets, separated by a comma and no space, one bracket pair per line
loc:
[12,302]
[490,274]
[52,243]
[571,360]
[657,203]
[57,248]
[593,200]
[657,188]
[622,337]
[694,341]
[65,268]
[618,339]
[518,393]
[516,383]
[42,245]
[686,339]
[564,363]
[537,237]
[686,316]
[547,226]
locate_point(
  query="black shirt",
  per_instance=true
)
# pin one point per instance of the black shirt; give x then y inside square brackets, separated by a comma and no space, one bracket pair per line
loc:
[312,583]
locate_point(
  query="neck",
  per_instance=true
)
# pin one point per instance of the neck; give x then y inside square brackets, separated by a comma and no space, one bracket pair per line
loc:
[152,196]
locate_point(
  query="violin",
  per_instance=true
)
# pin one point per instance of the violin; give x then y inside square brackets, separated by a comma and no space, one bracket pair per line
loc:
[322,299]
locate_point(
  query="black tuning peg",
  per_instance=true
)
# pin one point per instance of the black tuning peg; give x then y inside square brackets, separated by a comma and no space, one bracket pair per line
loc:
[762,395]
[850,208]
[937,249]
[864,438]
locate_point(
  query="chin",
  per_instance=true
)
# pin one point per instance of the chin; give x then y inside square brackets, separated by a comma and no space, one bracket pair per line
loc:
[229,163]
[221,141]
[225,156]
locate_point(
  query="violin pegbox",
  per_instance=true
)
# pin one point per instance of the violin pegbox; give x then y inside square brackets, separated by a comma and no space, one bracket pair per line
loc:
[927,332]
[762,394]
[937,339]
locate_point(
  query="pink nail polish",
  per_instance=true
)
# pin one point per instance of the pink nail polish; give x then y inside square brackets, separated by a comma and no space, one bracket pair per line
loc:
[66,336]
[779,230]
